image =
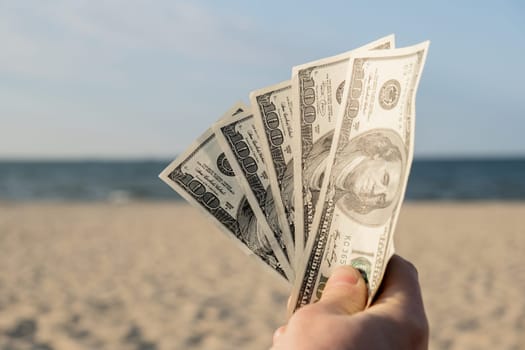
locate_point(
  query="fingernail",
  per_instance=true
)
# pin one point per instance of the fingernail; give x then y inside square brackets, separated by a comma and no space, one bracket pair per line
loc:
[345,275]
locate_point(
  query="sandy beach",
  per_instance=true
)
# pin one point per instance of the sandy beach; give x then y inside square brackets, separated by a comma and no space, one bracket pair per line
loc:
[160,276]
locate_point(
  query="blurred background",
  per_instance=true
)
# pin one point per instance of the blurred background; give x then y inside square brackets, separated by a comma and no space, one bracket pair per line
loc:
[98,97]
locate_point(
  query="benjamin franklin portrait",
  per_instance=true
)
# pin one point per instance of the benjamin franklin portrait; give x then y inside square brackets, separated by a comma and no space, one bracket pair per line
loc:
[367,176]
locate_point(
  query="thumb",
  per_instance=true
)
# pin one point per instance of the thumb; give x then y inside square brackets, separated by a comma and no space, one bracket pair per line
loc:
[345,291]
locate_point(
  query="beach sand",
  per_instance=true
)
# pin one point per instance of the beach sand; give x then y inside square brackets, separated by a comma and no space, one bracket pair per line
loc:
[161,276]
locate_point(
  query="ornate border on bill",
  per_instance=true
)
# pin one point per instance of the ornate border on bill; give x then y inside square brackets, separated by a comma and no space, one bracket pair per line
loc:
[272,111]
[241,144]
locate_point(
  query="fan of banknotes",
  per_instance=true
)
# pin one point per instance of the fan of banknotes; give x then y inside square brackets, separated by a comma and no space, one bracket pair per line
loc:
[312,174]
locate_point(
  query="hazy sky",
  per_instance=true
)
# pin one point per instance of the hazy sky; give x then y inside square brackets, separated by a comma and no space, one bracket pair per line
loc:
[144,78]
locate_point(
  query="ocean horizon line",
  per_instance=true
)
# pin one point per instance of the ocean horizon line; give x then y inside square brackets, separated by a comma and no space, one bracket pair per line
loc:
[144,159]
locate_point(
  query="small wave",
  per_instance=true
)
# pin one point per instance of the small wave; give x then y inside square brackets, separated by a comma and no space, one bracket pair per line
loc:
[120,197]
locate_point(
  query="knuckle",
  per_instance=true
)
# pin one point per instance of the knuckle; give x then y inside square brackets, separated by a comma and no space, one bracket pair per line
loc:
[420,336]
[410,268]
[419,330]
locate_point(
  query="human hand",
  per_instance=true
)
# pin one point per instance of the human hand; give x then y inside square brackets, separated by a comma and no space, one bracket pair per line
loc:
[338,321]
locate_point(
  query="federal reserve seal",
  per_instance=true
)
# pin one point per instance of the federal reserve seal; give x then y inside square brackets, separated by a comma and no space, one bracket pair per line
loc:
[224,166]
[389,94]
[364,266]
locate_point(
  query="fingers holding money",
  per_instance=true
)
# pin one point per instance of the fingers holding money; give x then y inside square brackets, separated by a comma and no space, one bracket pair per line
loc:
[345,294]
[345,291]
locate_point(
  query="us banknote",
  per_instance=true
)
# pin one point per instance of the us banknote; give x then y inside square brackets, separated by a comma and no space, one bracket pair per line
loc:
[317,92]
[366,171]
[203,176]
[241,143]
[272,115]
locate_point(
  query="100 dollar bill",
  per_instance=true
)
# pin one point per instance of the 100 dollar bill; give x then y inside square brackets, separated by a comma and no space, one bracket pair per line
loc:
[241,144]
[203,176]
[366,171]
[272,115]
[317,92]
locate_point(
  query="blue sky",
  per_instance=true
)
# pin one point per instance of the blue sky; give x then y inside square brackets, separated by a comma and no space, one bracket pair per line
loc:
[128,79]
